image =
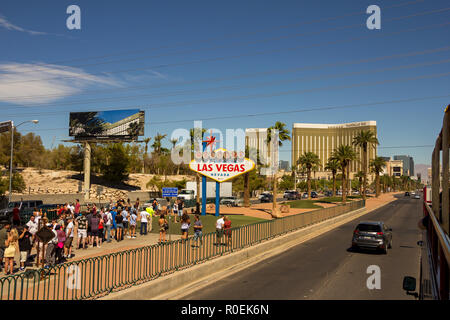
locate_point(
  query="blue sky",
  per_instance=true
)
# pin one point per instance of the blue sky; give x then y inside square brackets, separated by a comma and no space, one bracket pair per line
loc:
[186,60]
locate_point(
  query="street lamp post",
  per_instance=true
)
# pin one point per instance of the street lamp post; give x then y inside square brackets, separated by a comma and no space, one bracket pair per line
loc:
[12,148]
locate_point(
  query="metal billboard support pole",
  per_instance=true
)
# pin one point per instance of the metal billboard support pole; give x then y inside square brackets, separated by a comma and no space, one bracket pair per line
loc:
[217,199]
[11,161]
[87,170]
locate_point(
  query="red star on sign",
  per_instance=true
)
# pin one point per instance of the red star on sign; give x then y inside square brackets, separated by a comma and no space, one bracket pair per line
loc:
[210,141]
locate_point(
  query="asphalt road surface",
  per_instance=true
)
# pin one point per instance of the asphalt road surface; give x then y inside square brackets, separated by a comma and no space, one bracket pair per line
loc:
[326,268]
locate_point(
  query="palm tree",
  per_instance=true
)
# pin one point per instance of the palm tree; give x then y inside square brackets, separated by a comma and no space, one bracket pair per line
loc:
[157,145]
[364,139]
[360,176]
[333,166]
[146,141]
[283,135]
[193,138]
[174,142]
[344,154]
[406,180]
[307,162]
[376,166]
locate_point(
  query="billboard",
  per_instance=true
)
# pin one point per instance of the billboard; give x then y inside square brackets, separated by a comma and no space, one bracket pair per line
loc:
[5,126]
[103,124]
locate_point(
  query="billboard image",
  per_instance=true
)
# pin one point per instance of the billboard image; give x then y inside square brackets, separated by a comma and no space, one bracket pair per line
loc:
[115,124]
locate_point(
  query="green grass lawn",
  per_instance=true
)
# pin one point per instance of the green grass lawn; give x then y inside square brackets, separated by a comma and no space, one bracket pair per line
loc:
[208,221]
[310,204]
[303,204]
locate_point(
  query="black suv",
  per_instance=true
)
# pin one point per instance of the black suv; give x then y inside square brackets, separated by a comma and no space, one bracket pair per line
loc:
[26,209]
[266,197]
[372,235]
[292,195]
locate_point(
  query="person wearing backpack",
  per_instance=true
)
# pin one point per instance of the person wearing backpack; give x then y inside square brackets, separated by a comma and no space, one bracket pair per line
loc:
[60,246]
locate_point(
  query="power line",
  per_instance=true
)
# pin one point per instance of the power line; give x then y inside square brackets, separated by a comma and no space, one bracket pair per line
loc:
[311,109]
[274,94]
[378,147]
[238,56]
[252,85]
[240,34]
[241,76]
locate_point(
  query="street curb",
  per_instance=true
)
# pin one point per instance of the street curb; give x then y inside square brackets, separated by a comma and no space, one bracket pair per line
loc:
[180,283]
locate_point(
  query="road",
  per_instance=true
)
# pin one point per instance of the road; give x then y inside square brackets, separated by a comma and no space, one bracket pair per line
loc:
[326,268]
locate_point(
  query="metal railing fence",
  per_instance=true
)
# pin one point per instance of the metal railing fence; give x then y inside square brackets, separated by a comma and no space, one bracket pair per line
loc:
[98,276]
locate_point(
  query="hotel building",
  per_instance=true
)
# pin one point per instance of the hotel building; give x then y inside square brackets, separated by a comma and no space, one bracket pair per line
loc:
[323,139]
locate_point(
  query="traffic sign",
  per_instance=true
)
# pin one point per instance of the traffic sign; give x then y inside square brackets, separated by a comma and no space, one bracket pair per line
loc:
[169,192]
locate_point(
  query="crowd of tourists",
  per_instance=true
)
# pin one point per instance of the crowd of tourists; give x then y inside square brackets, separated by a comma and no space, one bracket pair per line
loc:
[94,227]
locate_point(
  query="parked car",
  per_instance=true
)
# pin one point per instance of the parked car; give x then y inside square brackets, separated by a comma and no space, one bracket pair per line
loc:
[406,194]
[292,195]
[314,194]
[372,235]
[231,201]
[46,207]
[26,209]
[305,195]
[416,196]
[263,193]
[266,197]
[328,194]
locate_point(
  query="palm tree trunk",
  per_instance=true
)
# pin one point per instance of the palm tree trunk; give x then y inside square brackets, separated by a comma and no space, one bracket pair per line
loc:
[274,205]
[344,185]
[197,180]
[364,172]
[246,190]
[309,184]
[377,183]
[334,184]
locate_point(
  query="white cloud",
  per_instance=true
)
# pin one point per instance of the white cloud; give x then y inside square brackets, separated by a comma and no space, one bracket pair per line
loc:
[8,25]
[30,84]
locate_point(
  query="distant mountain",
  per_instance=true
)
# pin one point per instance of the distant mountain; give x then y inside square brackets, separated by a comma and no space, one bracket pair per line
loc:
[423,170]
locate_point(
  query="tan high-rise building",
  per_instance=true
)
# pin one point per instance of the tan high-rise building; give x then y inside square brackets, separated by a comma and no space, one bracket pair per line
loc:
[323,139]
[256,139]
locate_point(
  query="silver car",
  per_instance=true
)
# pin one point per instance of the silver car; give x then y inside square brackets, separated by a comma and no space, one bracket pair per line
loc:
[372,235]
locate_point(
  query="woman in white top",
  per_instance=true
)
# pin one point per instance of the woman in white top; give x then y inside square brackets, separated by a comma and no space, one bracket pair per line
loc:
[185,224]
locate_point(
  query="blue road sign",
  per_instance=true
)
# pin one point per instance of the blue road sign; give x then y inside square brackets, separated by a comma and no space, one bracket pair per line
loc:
[169,192]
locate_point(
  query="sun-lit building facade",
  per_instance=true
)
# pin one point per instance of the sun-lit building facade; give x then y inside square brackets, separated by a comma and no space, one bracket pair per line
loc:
[323,139]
